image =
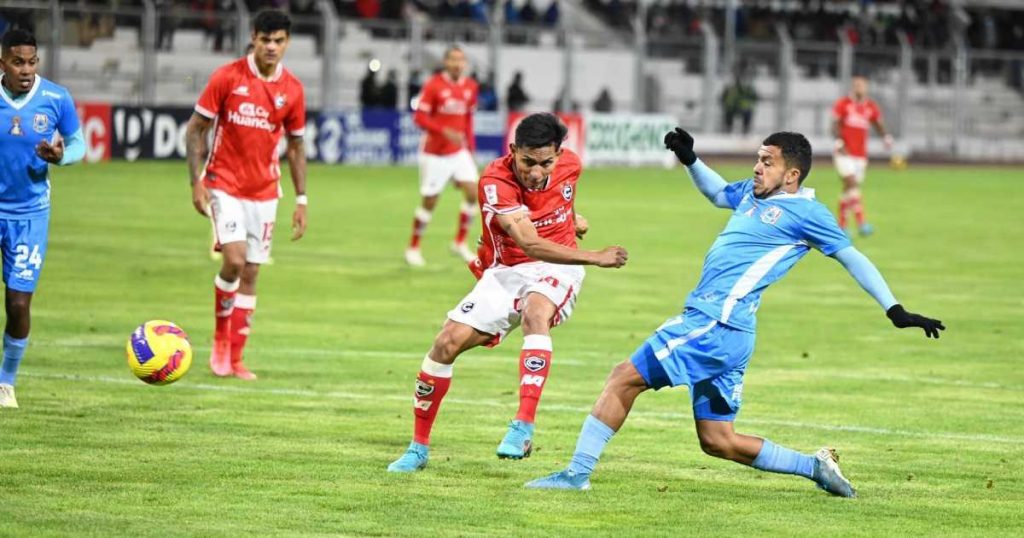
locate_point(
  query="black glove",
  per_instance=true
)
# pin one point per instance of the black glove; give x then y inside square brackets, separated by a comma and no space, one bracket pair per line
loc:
[681,143]
[903,319]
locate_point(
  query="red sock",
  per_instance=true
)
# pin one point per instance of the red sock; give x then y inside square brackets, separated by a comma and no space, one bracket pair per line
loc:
[224,304]
[842,211]
[858,210]
[534,363]
[465,219]
[241,320]
[419,224]
[431,386]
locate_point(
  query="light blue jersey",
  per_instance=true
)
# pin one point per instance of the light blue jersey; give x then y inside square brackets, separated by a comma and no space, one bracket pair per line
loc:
[35,116]
[759,245]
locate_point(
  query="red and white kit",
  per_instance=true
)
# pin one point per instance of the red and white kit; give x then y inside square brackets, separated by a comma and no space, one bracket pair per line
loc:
[446,103]
[855,119]
[494,304]
[243,171]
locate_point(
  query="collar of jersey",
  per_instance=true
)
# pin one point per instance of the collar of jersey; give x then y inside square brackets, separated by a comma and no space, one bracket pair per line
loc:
[26,97]
[446,76]
[251,60]
[802,193]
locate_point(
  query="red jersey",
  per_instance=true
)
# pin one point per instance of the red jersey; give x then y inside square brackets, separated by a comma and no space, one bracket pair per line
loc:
[551,208]
[854,122]
[251,112]
[446,103]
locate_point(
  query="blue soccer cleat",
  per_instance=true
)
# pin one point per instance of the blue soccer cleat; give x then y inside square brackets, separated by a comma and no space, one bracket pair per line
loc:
[828,476]
[561,480]
[866,230]
[518,442]
[414,459]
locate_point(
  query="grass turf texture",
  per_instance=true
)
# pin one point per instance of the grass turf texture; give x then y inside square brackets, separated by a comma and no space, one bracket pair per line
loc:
[929,431]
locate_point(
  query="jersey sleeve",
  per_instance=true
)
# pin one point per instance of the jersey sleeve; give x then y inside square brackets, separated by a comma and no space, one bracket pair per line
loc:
[67,123]
[839,109]
[213,95]
[876,112]
[499,197]
[295,122]
[734,192]
[820,230]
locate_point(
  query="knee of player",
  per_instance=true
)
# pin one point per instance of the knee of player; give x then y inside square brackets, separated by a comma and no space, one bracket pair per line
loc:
[18,304]
[446,347]
[717,445]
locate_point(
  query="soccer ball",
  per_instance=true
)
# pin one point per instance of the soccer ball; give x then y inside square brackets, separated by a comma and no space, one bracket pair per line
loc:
[159,352]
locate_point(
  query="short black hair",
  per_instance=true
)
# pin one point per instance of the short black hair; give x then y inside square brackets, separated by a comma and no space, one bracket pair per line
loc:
[270,21]
[540,130]
[18,38]
[796,150]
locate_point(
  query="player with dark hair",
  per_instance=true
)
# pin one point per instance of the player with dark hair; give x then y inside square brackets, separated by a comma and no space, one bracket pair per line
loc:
[38,127]
[533,278]
[775,222]
[252,102]
[444,110]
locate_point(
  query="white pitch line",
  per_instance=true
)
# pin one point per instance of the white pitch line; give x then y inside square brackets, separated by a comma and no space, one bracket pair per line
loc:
[946,436]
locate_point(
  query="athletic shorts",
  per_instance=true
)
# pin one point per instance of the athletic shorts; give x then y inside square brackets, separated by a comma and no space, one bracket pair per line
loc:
[252,221]
[437,170]
[695,350]
[23,242]
[851,166]
[495,304]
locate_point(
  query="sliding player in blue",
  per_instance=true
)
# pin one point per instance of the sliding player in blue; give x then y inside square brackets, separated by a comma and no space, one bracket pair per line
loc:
[775,222]
[32,111]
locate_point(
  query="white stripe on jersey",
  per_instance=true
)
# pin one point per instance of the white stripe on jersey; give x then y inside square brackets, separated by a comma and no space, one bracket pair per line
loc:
[751,277]
[661,354]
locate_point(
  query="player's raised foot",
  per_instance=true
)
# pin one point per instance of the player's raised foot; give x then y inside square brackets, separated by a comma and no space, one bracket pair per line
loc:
[462,251]
[561,480]
[865,230]
[414,459]
[7,398]
[414,257]
[518,442]
[241,372]
[828,476]
[220,358]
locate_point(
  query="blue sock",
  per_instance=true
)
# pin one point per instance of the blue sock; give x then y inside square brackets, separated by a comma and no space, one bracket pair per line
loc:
[594,435]
[779,459]
[14,350]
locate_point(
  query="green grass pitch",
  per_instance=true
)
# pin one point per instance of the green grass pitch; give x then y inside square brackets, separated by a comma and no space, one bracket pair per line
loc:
[930,432]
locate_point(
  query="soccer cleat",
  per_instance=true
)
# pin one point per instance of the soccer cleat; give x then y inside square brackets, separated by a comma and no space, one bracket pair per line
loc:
[462,251]
[518,443]
[414,459]
[241,372]
[865,230]
[7,398]
[220,359]
[414,257]
[561,480]
[828,476]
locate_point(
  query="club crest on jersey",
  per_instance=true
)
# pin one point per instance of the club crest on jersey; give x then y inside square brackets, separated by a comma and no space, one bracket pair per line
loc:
[279,101]
[16,127]
[40,122]
[567,192]
[423,389]
[491,193]
[771,215]
[534,363]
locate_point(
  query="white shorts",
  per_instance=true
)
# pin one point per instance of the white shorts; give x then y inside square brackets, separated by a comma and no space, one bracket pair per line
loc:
[436,170]
[851,166]
[252,221]
[495,304]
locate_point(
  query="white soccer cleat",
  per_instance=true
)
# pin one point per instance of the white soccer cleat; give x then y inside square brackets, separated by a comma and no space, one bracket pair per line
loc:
[461,250]
[414,257]
[7,398]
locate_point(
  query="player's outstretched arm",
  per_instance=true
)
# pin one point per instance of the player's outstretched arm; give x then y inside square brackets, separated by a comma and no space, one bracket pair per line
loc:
[707,181]
[297,165]
[195,154]
[869,278]
[522,231]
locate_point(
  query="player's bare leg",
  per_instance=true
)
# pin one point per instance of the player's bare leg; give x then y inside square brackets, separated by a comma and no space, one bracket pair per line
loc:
[17,305]
[534,365]
[432,384]
[241,320]
[846,198]
[226,286]
[424,213]
[466,214]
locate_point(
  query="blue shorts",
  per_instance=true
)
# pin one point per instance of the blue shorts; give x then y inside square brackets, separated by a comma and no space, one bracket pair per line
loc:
[695,350]
[23,243]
